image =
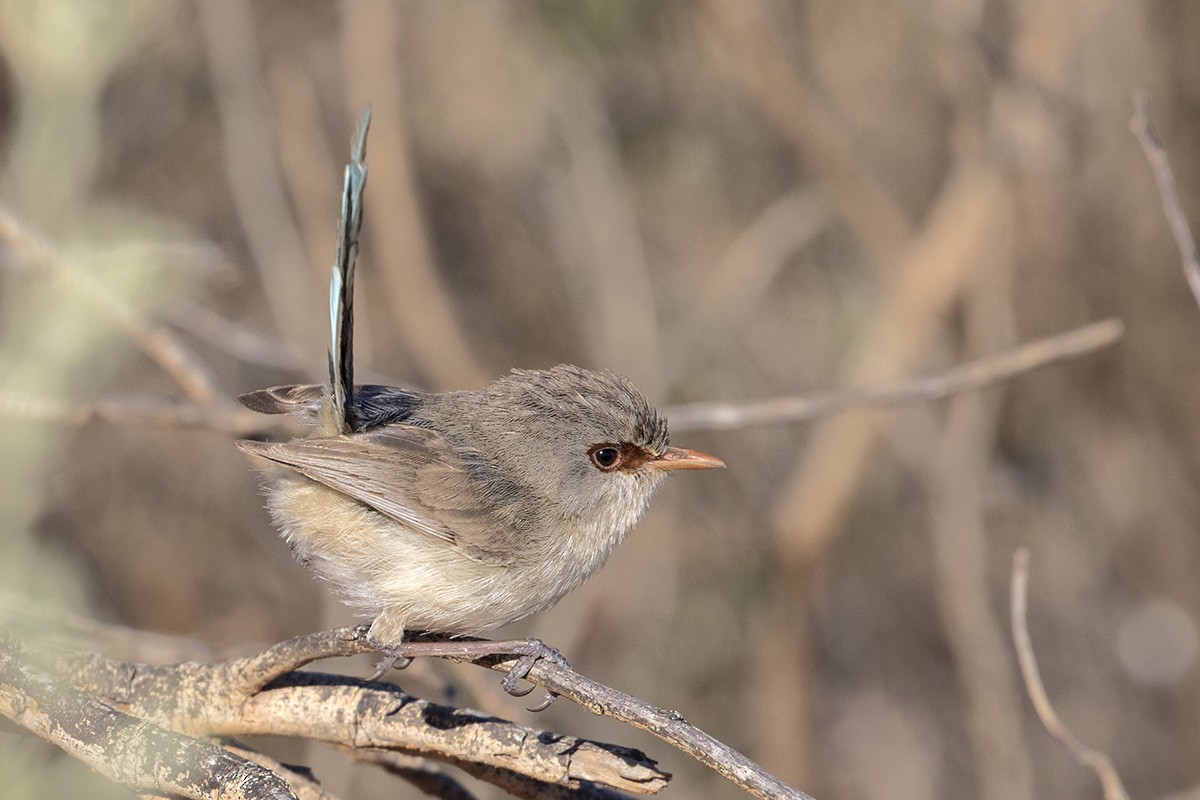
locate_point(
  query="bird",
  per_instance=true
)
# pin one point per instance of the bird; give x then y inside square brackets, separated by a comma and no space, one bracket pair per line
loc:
[455,513]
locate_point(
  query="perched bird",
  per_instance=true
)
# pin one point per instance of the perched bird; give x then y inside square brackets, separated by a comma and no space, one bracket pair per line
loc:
[459,512]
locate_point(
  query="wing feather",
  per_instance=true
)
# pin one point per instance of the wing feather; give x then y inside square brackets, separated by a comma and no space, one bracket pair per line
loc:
[410,474]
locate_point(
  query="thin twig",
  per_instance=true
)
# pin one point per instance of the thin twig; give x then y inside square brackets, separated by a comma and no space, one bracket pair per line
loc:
[1156,154]
[1094,760]
[232,337]
[155,411]
[966,377]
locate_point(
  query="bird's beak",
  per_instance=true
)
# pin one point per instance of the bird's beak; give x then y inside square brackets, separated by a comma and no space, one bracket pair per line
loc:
[679,458]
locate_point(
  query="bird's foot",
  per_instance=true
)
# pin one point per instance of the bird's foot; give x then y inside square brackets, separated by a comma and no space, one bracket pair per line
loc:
[528,651]
[387,664]
[531,651]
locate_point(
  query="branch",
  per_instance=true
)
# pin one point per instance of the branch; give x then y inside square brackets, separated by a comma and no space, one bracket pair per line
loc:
[126,749]
[261,695]
[670,726]
[1094,760]
[966,377]
[140,410]
[1156,154]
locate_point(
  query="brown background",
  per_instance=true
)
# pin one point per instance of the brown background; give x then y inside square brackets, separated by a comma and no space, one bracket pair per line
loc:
[724,200]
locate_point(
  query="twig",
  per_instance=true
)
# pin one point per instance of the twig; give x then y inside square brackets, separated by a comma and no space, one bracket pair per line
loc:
[973,375]
[1156,154]
[922,288]
[156,341]
[142,411]
[670,726]
[955,461]
[234,338]
[126,749]
[1094,760]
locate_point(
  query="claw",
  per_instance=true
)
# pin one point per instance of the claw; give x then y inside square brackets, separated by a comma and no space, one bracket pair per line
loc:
[546,701]
[519,671]
[398,662]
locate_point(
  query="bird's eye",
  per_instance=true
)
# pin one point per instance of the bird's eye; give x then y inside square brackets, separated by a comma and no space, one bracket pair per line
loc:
[605,456]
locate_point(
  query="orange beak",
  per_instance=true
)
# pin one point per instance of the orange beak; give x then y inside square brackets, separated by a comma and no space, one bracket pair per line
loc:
[678,458]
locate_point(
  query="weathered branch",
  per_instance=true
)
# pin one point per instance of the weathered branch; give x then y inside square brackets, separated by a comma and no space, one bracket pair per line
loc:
[124,748]
[1095,760]
[670,726]
[261,695]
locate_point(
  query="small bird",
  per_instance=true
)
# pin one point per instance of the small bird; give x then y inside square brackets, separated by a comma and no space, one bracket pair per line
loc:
[456,513]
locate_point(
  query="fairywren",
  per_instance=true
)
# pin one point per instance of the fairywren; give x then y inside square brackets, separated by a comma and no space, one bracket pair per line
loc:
[459,512]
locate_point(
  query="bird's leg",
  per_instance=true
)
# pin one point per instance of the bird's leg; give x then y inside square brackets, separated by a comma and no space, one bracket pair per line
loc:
[387,629]
[529,651]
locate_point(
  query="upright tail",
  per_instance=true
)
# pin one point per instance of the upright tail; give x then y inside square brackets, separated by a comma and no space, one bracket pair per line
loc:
[341,287]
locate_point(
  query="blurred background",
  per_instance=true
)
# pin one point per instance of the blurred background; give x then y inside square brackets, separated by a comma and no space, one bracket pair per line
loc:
[724,201]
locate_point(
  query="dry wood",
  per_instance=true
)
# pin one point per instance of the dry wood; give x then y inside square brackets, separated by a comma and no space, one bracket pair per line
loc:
[261,695]
[124,748]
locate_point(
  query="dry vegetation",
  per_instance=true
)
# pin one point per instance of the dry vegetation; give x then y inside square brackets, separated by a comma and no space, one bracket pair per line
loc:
[726,201]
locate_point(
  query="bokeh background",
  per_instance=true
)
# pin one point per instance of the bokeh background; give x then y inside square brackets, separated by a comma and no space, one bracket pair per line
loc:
[723,199]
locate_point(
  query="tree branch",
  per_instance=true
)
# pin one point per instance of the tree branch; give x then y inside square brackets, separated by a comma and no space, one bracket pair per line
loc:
[670,726]
[965,377]
[262,695]
[123,748]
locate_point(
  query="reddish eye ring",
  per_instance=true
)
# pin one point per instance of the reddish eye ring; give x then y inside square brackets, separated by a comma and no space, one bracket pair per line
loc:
[605,456]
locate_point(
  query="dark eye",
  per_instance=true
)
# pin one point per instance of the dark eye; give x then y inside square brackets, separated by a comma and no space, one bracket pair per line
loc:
[605,456]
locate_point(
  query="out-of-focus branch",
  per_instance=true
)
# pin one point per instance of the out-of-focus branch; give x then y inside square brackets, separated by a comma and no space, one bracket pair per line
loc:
[424,311]
[811,128]
[927,280]
[156,341]
[1094,760]
[252,169]
[154,411]
[234,338]
[694,416]
[123,748]
[1164,176]
[966,377]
